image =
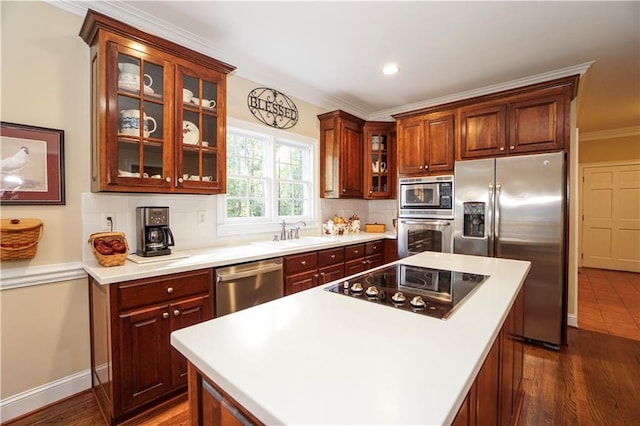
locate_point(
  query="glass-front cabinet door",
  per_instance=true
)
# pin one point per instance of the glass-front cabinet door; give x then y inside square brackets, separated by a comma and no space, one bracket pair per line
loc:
[379,171]
[200,145]
[142,146]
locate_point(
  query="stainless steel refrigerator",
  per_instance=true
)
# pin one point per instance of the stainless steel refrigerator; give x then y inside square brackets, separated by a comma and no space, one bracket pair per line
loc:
[516,208]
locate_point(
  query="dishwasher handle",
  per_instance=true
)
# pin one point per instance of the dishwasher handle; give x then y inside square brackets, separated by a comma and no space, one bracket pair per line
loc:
[251,272]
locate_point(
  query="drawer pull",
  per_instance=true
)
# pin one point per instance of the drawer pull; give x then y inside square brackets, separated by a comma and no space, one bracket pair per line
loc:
[333,256]
[375,247]
[356,251]
[165,315]
[303,262]
[170,290]
[176,313]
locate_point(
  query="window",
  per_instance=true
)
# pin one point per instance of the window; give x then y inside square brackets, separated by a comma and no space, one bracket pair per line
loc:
[269,177]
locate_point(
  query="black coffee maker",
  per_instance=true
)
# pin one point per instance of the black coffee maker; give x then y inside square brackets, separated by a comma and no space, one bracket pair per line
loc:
[153,233]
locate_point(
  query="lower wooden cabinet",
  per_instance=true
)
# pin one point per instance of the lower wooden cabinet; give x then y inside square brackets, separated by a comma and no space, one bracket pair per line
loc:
[133,364]
[496,395]
[306,270]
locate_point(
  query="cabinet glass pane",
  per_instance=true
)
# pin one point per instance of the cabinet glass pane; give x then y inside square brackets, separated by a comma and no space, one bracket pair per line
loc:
[128,73]
[210,166]
[152,80]
[210,131]
[152,161]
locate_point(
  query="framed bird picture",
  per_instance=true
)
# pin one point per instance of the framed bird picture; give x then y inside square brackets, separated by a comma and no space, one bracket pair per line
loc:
[32,168]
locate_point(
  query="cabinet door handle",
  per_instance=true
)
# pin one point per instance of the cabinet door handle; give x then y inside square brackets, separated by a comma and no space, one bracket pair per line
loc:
[303,262]
[180,180]
[170,290]
[370,191]
[165,315]
[426,166]
[511,147]
[168,179]
[421,167]
[322,273]
[502,148]
[344,189]
[176,313]
[316,276]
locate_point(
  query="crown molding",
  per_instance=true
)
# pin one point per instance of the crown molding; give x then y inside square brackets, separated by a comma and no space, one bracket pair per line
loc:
[622,132]
[494,88]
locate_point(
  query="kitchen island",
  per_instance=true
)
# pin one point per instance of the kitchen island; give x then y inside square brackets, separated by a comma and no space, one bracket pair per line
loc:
[320,358]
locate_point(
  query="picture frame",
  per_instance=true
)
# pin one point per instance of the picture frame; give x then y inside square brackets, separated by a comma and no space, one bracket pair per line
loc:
[32,168]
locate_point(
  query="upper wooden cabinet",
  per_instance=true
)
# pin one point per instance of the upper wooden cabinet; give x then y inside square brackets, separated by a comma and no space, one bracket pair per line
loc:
[379,160]
[341,155]
[158,113]
[527,123]
[525,120]
[483,130]
[426,143]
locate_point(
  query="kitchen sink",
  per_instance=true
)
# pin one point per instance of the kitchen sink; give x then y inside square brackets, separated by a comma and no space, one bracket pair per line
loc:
[295,242]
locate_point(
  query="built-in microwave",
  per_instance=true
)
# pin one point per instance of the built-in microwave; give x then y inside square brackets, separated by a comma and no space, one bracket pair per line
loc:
[426,197]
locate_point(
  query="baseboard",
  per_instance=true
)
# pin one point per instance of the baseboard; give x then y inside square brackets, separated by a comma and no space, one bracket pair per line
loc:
[33,399]
[572,320]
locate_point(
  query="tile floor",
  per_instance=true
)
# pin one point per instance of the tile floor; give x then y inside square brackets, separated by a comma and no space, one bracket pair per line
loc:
[609,302]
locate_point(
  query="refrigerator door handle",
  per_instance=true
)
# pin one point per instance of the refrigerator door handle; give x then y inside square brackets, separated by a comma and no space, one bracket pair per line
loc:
[496,232]
[489,222]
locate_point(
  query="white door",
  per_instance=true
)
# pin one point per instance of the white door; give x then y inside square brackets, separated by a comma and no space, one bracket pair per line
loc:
[611,217]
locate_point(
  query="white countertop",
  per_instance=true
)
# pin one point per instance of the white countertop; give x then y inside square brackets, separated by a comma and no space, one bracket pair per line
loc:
[317,357]
[189,260]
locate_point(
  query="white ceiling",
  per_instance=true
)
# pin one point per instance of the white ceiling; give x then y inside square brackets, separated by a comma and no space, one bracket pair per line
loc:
[331,53]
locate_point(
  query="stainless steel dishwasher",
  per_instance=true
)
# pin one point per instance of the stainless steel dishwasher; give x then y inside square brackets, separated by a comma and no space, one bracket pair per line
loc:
[248,284]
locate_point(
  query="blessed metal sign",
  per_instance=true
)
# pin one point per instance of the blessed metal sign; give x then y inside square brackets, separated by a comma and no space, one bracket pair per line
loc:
[273,108]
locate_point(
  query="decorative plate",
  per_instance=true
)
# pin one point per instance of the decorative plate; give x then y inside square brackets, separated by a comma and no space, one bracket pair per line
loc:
[190,133]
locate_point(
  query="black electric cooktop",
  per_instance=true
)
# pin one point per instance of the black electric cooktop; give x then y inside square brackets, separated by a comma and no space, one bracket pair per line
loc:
[427,291]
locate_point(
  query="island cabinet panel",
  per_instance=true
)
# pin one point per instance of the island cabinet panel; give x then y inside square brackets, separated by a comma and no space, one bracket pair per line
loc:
[209,405]
[496,395]
[158,112]
[354,259]
[133,364]
[341,155]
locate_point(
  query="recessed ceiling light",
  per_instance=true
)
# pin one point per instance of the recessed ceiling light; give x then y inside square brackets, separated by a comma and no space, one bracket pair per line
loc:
[390,69]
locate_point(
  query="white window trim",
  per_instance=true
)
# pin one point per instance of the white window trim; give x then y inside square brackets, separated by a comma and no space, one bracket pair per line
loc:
[262,227]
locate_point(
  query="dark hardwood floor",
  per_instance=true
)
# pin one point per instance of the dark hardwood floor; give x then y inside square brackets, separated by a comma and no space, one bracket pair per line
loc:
[594,380]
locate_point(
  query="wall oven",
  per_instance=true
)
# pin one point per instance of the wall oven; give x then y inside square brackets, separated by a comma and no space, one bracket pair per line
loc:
[425,215]
[418,235]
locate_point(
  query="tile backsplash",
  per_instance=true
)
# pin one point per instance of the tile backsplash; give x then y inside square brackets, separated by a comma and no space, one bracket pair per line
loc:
[190,232]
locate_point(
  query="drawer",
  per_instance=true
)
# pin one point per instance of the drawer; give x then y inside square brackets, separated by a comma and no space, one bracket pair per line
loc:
[374,247]
[354,251]
[300,262]
[330,256]
[149,291]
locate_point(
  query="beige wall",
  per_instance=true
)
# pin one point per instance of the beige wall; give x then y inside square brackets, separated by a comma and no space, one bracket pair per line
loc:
[45,82]
[610,150]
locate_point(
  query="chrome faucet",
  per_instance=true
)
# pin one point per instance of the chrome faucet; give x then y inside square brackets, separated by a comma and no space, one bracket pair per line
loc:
[293,232]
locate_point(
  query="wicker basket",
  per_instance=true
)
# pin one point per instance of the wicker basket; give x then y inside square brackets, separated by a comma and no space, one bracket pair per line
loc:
[115,259]
[20,238]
